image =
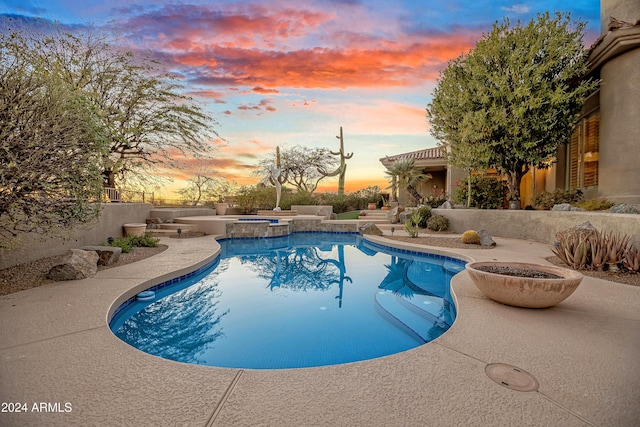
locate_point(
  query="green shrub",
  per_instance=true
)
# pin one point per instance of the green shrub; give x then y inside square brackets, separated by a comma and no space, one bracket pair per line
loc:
[438,223]
[145,241]
[340,202]
[546,200]
[486,192]
[357,200]
[289,198]
[127,243]
[123,243]
[250,198]
[435,199]
[420,216]
[595,205]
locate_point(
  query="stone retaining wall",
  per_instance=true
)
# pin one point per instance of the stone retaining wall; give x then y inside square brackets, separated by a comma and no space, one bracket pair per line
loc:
[537,226]
[248,229]
[113,217]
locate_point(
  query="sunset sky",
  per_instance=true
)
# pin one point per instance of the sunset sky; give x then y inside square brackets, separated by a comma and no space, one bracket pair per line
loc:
[286,73]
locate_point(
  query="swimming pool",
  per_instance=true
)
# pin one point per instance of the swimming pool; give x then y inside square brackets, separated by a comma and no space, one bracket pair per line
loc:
[303,300]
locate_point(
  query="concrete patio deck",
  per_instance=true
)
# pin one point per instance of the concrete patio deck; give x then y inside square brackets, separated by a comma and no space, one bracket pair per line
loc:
[56,348]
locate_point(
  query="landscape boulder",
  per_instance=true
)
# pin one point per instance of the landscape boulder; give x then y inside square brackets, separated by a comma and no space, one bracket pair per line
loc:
[624,209]
[485,238]
[565,207]
[583,230]
[370,228]
[76,264]
[446,205]
[393,216]
[107,255]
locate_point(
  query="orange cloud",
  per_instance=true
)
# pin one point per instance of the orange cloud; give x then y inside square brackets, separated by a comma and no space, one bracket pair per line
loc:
[227,48]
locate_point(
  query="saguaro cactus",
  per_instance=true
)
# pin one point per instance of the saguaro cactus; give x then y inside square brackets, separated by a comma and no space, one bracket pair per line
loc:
[342,169]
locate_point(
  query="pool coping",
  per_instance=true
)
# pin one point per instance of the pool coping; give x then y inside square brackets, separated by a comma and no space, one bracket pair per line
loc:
[57,349]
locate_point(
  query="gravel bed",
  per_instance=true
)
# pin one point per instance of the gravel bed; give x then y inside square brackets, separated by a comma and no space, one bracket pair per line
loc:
[446,242]
[518,272]
[32,274]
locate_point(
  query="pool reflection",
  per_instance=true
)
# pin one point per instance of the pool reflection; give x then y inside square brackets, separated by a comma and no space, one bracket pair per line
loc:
[271,303]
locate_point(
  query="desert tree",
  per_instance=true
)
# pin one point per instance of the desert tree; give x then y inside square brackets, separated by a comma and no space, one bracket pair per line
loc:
[301,167]
[51,142]
[204,187]
[521,90]
[149,120]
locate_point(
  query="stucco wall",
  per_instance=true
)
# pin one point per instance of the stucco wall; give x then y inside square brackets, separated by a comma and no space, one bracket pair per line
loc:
[623,10]
[619,135]
[537,226]
[113,217]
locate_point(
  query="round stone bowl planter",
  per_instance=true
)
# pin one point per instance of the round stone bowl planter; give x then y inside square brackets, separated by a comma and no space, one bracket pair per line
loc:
[520,291]
[135,229]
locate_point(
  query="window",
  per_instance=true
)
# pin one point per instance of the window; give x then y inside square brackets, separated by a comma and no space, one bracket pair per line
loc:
[584,152]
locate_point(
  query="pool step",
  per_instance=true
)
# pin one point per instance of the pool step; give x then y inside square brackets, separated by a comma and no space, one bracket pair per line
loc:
[428,306]
[425,330]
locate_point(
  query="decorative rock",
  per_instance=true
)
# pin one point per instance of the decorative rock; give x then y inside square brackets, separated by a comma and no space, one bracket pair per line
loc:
[370,228]
[393,215]
[446,205]
[107,255]
[624,209]
[566,207]
[77,264]
[485,238]
[154,221]
[584,229]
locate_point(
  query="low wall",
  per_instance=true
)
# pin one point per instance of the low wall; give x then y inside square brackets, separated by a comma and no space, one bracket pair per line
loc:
[320,210]
[113,217]
[537,226]
[166,214]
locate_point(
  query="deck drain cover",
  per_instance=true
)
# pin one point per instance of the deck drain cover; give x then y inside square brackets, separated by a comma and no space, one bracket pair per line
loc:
[511,377]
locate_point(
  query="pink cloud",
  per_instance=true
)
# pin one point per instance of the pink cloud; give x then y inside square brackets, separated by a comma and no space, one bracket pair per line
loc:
[218,47]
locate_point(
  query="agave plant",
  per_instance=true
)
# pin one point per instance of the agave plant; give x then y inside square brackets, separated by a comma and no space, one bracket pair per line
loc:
[574,250]
[597,244]
[631,259]
[615,245]
[411,225]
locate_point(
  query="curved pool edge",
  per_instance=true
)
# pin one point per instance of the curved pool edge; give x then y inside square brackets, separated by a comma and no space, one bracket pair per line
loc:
[412,247]
[184,269]
[122,302]
[127,386]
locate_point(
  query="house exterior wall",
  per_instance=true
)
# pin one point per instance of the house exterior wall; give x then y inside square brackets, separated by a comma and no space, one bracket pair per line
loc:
[616,61]
[619,179]
[624,10]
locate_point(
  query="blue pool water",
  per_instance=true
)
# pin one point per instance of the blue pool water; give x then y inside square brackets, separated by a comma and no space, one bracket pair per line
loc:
[307,299]
[271,220]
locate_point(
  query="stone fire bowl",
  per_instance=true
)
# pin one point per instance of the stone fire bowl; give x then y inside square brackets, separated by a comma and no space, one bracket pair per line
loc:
[525,291]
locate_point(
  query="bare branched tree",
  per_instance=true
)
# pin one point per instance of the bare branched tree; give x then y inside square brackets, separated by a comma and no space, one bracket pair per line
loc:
[51,143]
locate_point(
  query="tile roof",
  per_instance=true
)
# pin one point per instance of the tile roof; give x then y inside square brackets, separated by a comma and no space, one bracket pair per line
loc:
[428,153]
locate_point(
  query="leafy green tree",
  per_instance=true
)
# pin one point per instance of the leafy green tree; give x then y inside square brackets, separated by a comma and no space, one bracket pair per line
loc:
[512,101]
[148,119]
[406,174]
[452,115]
[51,142]
[487,192]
